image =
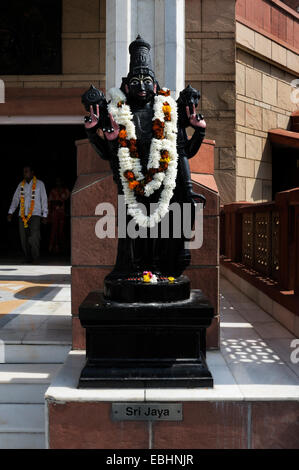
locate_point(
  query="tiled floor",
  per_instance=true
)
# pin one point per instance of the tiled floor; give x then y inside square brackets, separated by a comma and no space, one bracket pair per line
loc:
[254,364]
[257,349]
[35,304]
[35,338]
[255,361]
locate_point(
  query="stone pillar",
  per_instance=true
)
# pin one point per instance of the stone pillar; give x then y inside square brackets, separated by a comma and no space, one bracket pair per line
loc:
[170,44]
[162,24]
[118,38]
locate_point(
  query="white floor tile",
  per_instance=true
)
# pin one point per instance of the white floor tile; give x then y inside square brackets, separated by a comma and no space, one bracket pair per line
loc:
[27,373]
[272,330]
[11,336]
[238,331]
[231,316]
[23,322]
[254,315]
[35,353]
[266,381]
[22,440]
[249,352]
[48,336]
[288,350]
[57,322]
[21,418]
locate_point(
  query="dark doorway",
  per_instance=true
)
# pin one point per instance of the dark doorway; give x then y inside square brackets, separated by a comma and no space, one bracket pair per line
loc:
[285,168]
[51,150]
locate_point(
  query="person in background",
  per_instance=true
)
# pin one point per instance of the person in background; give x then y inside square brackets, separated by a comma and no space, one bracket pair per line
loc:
[57,198]
[32,197]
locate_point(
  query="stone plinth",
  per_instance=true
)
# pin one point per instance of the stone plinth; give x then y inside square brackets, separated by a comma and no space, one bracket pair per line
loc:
[234,414]
[141,345]
[93,258]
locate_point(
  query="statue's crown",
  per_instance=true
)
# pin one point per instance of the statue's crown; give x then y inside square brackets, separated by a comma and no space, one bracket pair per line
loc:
[140,59]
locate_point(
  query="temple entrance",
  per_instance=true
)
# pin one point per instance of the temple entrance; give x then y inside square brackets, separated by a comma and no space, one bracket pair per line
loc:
[51,150]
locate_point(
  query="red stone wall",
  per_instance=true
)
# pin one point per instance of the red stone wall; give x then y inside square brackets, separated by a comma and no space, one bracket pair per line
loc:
[93,258]
[271,18]
[205,425]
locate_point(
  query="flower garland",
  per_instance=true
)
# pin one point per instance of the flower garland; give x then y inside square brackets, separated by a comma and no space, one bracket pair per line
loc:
[162,162]
[22,202]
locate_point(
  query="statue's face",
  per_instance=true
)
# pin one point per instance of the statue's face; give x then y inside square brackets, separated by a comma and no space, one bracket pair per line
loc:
[141,88]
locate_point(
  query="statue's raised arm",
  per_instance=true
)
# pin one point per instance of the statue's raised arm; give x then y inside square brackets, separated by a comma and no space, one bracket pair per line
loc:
[187,148]
[96,105]
[187,103]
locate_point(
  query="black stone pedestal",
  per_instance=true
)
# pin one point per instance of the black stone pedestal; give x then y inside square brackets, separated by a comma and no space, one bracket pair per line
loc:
[141,345]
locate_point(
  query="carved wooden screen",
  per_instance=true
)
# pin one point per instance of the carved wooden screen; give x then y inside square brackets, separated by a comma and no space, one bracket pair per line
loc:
[262,233]
[275,245]
[247,239]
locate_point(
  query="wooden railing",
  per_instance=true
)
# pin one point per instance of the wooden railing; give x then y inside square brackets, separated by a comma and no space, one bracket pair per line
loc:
[265,237]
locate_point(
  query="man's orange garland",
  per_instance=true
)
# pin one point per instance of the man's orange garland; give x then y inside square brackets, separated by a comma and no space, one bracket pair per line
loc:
[22,202]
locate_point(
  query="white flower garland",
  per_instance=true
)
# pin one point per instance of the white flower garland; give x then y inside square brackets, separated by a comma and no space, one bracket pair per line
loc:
[123,116]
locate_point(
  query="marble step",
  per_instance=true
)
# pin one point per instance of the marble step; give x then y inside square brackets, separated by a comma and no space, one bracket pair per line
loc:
[25,383]
[22,418]
[13,440]
[35,353]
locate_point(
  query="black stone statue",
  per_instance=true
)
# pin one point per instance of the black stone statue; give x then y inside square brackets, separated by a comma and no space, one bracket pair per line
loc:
[168,257]
[141,333]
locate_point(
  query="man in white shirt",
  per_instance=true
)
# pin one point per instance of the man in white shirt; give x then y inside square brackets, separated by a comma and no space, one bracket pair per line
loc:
[36,204]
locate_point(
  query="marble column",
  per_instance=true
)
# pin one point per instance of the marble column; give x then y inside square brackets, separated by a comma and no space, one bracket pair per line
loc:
[162,24]
[170,44]
[118,38]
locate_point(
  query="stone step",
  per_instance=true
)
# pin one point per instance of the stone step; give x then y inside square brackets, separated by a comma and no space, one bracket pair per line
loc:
[25,383]
[22,418]
[35,353]
[22,426]
[13,440]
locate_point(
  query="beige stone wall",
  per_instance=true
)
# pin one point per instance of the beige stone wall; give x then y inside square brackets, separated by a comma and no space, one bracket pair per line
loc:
[210,67]
[263,102]
[83,49]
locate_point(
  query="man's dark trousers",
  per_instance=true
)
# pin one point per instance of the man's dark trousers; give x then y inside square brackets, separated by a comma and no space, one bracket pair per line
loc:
[30,237]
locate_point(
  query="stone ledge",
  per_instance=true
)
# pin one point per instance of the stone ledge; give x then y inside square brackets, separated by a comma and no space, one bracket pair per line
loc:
[284,138]
[64,389]
[263,291]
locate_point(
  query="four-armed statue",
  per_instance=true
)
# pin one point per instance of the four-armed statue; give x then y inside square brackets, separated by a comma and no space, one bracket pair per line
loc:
[147,326]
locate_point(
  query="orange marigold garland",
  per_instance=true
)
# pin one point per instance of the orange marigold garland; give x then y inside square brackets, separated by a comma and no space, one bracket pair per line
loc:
[166,108]
[133,148]
[22,202]
[164,92]
[158,129]
[129,175]
[122,137]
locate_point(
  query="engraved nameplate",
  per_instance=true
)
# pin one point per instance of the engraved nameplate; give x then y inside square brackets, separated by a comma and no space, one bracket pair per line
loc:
[147,412]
